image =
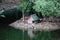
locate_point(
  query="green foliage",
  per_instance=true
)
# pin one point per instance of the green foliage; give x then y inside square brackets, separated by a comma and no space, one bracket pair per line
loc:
[24,6]
[48,7]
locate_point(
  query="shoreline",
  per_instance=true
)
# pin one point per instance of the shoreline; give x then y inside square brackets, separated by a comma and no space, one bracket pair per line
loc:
[43,26]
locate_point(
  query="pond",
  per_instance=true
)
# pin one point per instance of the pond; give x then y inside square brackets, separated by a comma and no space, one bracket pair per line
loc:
[10,33]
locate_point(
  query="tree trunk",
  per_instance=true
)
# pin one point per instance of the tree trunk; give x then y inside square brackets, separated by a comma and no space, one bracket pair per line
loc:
[23,14]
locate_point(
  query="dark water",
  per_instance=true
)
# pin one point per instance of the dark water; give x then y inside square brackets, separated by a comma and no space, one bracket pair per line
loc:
[10,33]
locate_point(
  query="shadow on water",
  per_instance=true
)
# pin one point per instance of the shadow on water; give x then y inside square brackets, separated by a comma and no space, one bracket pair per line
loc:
[10,16]
[10,33]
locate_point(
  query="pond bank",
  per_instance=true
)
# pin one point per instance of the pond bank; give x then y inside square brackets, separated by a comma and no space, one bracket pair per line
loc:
[43,26]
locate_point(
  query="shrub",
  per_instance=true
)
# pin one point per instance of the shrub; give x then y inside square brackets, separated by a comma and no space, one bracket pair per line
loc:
[24,6]
[47,7]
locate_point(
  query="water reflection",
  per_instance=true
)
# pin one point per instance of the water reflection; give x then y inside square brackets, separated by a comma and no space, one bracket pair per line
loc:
[30,33]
